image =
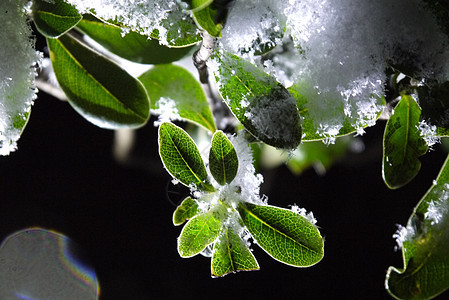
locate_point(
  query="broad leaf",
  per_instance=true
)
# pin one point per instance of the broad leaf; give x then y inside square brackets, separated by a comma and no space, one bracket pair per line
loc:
[185,211]
[133,46]
[402,144]
[223,161]
[54,19]
[283,234]
[181,157]
[231,254]
[198,233]
[425,243]
[264,107]
[324,112]
[173,88]
[205,19]
[97,88]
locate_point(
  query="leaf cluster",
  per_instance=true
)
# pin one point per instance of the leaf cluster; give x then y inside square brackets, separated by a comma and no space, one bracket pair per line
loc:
[218,217]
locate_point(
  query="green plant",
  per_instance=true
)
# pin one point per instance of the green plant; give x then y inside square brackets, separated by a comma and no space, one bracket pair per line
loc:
[292,75]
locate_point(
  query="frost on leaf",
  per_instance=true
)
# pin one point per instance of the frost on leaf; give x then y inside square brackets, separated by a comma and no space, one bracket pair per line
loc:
[335,53]
[18,60]
[166,18]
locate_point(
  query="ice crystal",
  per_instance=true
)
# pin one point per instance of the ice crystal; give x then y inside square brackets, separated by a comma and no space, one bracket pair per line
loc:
[428,133]
[340,51]
[166,110]
[439,207]
[18,61]
[144,16]
[303,213]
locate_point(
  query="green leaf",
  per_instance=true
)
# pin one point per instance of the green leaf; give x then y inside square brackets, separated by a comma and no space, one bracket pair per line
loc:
[175,86]
[425,246]
[186,210]
[323,108]
[54,19]
[198,233]
[223,161]
[263,106]
[231,254]
[181,157]
[402,144]
[97,88]
[205,19]
[283,234]
[318,155]
[196,5]
[133,46]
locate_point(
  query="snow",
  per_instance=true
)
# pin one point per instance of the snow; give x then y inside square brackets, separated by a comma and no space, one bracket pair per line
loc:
[435,217]
[439,207]
[428,133]
[166,110]
[18,63]
[340,51]
[143,16]
[303,213]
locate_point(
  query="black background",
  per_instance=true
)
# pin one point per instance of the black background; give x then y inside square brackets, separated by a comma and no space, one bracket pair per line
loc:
[64,178]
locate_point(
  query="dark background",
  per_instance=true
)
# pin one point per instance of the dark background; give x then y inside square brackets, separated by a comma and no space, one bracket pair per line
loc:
[64,178]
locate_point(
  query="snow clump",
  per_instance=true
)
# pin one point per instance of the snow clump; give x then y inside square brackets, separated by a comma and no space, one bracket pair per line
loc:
[18,61]
[340,51]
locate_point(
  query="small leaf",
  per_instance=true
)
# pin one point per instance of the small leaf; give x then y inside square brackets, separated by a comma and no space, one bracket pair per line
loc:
[185,211]
[425,243]
[283,234]
[97,88]
[263,106]
[181,157]
[177,86]
[403,144]
[198,233]
[231,254]
[133,46]
[54,19]
[205,19]
[223,161]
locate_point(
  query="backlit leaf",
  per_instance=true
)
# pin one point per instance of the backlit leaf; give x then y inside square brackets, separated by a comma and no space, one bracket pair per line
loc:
[425,241]
[223,161]
[198,233]
[283,234]
[231,254]
[264,107]
[328,109]
[181,157]
[174,86]
[185,211]
[97,88]
[132,46]
[54,19]
[403,144]
[205,19]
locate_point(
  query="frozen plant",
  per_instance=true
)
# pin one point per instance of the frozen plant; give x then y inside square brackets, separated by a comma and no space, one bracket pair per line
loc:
[286,75]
